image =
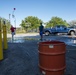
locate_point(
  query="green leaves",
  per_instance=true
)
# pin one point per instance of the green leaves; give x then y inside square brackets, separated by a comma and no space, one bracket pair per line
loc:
[56,21]
[31,22]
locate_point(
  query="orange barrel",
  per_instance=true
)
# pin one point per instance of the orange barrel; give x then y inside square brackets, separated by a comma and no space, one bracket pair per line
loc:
[52,57]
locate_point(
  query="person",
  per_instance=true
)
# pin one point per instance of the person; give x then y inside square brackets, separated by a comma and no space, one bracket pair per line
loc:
[41,28]
[12,31]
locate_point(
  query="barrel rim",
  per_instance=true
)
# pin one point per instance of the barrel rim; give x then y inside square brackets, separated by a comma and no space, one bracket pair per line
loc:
[52,43]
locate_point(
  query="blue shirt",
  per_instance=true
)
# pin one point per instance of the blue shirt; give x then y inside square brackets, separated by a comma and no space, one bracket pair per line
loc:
[41,28]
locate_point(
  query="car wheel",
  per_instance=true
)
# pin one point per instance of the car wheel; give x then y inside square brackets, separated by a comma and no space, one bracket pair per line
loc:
[47,33]
[72,33]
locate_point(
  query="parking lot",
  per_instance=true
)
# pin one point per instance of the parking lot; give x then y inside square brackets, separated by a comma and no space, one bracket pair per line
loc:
[21,57]
[69,40]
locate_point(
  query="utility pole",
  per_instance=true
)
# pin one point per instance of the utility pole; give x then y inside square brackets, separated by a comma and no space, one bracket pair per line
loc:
[13,16]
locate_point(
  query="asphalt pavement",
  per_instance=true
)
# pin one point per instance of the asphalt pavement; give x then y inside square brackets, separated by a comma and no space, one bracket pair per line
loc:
[22,58]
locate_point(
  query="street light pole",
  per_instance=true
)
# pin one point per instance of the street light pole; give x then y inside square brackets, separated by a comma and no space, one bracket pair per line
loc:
[9,18]
[15,22]
[14,16]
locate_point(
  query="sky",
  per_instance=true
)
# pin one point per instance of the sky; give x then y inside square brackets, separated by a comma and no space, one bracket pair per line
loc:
[43,9]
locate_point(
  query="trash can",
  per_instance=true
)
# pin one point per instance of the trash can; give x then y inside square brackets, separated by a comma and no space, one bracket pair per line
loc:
[52,57]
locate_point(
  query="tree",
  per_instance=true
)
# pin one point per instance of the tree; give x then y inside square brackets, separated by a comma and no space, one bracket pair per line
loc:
[72,23]
[31,22]
[56,21]
[7,24]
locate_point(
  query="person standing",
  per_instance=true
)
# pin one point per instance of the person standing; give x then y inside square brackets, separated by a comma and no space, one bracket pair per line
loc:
[41,28]
[12,31]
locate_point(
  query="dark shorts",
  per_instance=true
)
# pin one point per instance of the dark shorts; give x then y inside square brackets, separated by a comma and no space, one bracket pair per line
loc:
[41,33]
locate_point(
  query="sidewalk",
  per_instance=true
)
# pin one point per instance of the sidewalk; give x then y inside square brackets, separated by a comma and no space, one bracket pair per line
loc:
[23,35]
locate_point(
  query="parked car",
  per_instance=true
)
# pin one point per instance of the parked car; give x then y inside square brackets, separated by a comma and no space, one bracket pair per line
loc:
[60,29]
